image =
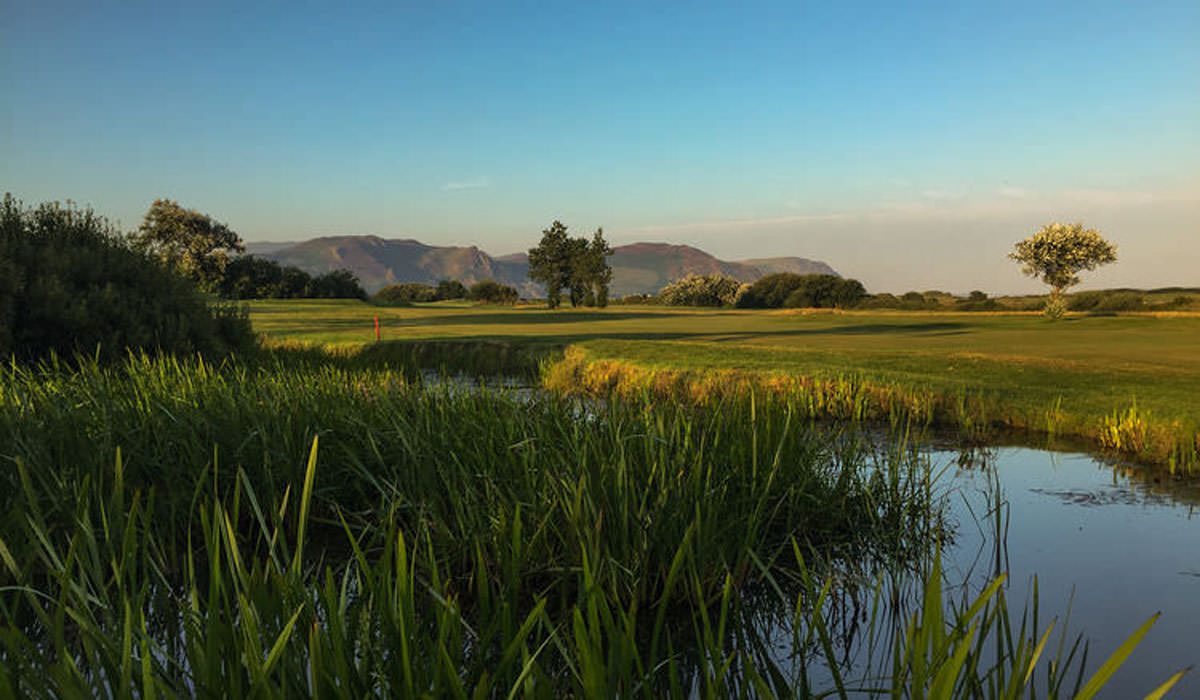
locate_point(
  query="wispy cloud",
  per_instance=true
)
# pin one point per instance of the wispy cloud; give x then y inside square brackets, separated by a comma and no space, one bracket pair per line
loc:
[472,184]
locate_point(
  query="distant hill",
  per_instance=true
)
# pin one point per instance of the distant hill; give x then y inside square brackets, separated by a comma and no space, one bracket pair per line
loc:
[638,268]
[379,262]
[645,268]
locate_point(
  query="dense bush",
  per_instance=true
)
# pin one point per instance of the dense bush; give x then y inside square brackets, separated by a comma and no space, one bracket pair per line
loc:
[789,290]
[404,294]
[700,290]
[252,277]
[1106,301]
[70,283]
[492,292]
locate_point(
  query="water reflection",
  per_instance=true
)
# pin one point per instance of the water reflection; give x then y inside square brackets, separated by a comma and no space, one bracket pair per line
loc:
[1101,547]
[1110,544]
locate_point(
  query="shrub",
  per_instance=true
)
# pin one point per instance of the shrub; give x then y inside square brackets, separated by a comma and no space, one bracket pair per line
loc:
[976,301]
[785,289]
[770,292]
[700,290]
[450,289]
[403,294]
[492,292]
[883,300]
[70,283]
[1122,301]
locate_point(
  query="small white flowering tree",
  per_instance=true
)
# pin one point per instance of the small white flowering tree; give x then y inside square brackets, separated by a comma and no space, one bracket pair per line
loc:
[700,290]
[1058,253]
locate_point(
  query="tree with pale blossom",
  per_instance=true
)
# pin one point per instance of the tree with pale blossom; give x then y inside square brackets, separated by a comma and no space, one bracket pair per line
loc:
[1058,253]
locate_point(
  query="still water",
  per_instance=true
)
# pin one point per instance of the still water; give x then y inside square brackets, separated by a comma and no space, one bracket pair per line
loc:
[1114,544]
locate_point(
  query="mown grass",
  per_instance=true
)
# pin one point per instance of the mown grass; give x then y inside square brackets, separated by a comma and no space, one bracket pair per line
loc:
[1122,382]
[174,528]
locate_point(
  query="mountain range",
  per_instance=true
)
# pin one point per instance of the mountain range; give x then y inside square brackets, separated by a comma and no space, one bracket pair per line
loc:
[638,268]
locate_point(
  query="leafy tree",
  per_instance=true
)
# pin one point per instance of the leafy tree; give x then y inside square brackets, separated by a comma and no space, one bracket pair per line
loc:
[848,293]
[189,242]
[575,264]
[578,276]
[597,270]
[69,282]
[813,292]
[293,283]
[338,284]
[253,277]
[250,277]
[1058,253]
[450,289]
[492,292]
[770,292]
[550,262]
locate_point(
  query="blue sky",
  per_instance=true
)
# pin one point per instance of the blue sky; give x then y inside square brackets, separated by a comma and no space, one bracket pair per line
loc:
[907,145]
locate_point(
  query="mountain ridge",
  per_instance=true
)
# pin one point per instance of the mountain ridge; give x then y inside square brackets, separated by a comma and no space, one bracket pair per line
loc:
[638,268]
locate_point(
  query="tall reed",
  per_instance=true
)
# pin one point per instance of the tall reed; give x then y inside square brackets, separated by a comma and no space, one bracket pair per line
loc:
[175,528]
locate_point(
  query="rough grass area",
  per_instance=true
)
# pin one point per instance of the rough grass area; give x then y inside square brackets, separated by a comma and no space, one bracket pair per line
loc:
[288,529]
[1124,382]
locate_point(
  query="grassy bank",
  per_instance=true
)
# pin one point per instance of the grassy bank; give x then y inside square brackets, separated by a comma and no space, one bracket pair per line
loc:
[1120,382]
[174,528]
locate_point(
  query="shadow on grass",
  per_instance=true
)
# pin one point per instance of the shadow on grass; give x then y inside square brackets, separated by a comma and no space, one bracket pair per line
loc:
[930,328]
[533,317]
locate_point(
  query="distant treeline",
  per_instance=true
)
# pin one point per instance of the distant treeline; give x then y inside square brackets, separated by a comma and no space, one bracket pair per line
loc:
[1100,301]
[788,290]
[486,291]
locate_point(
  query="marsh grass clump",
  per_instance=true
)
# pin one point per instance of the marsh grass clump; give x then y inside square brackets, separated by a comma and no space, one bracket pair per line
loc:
[178,528]
[974,414]
[479,360]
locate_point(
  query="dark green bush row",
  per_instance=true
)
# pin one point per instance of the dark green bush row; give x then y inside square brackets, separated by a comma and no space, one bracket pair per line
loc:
[788,290]
[412,292]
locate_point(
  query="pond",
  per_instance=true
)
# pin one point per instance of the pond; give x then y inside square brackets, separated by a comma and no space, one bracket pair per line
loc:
[1113,544]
